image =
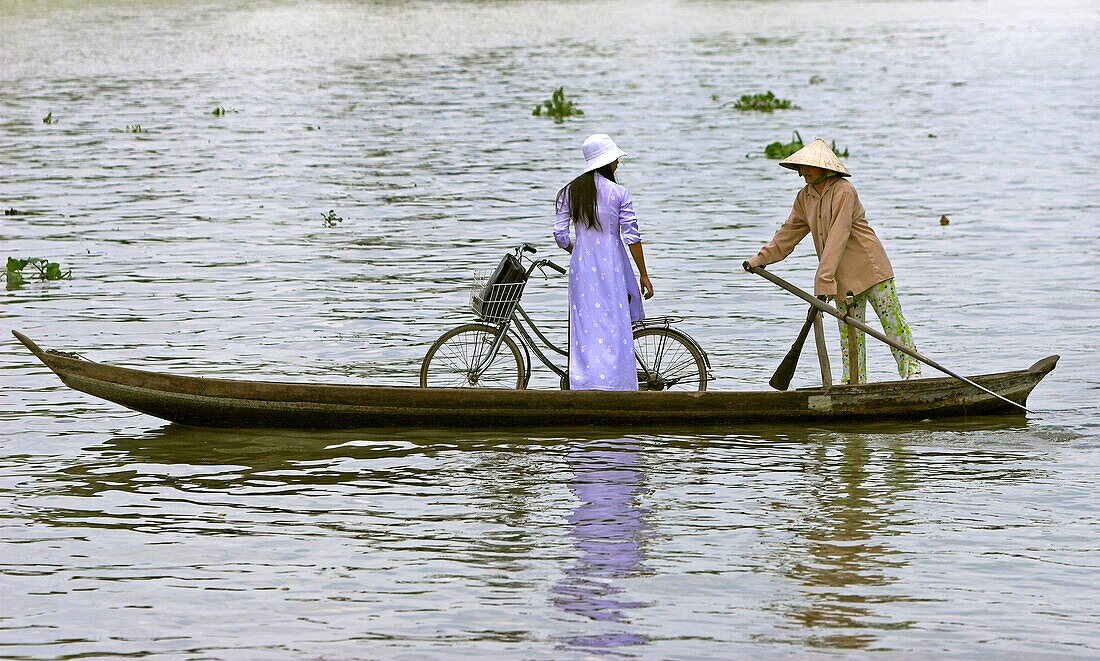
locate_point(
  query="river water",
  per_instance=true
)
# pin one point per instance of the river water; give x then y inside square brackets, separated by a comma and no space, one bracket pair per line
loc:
[197,246]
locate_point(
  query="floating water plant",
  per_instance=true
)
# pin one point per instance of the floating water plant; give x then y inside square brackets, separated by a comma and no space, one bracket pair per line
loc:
[49,118]
[816,80]
[331,219]
[134,128]
[778,150]
[222,111]
[47,270]
[766,102]
[557,107]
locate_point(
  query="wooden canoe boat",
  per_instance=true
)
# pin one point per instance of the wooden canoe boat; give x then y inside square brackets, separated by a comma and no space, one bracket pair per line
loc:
[207,402]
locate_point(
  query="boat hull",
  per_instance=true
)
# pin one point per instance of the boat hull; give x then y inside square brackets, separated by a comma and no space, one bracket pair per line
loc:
[209,402]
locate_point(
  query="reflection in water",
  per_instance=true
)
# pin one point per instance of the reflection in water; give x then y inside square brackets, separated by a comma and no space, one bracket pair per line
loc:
[453,532]
[842,562]
[237,474]
[230,468]
[607,529]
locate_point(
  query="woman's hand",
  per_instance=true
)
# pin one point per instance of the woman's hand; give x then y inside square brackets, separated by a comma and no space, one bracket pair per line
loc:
[643,275]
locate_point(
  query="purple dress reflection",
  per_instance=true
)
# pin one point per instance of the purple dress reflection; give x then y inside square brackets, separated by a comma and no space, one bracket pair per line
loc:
[608,530]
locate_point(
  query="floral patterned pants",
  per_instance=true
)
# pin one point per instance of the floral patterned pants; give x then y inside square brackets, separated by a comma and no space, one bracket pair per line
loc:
[884,299]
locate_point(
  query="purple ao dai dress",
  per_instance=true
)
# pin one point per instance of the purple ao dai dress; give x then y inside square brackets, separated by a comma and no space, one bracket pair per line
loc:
[604,296]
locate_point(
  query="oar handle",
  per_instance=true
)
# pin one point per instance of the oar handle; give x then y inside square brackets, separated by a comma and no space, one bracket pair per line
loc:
[856,323]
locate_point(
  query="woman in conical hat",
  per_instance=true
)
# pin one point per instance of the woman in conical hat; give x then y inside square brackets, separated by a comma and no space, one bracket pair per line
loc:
[850,256]
[604,296]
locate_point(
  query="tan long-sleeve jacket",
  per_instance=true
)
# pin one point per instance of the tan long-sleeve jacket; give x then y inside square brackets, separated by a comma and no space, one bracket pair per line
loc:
[851,256]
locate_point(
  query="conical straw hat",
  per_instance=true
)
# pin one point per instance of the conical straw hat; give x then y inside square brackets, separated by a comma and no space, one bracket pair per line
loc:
[817,154]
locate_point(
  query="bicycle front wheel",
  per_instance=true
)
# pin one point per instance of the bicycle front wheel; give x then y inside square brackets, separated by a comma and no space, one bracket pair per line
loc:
[460,359]
[667,360]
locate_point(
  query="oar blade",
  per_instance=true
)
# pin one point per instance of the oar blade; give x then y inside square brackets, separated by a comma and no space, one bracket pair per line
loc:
[781,380]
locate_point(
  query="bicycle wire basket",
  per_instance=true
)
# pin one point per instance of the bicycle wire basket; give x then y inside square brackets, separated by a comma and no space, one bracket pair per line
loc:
[495,297]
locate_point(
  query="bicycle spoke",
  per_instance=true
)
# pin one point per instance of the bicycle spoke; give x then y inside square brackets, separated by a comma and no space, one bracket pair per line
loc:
[667,362]
[460,359]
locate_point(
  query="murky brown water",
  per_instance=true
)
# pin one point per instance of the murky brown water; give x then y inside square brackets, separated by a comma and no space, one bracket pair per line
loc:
[198,247]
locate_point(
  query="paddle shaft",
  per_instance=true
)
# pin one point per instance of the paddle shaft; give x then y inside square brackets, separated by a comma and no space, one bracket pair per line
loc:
[856,323]
[781,380]
[822,353]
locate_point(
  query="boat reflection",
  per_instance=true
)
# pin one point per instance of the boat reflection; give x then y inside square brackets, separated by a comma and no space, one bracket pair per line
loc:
[289,458]
[608,532]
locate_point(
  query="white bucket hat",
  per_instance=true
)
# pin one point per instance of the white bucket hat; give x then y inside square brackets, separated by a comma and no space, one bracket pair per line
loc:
[600,150]
[819,155]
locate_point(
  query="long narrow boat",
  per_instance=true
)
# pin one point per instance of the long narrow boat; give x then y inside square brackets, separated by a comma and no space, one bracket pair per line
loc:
[207,402]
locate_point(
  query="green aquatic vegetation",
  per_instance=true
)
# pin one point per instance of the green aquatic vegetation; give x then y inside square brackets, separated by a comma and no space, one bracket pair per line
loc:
[778,150]
[222,111]
[49,118]
[47,270]
[557,107]
[134,128]
[816,80]
[766,102]
[331,219]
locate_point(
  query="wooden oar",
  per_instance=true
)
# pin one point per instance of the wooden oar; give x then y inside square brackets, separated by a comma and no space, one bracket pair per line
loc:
[856,323]
[781,380]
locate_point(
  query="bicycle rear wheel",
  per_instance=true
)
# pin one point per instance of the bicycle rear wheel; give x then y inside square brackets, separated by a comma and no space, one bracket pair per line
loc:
[667,360]
[459,359]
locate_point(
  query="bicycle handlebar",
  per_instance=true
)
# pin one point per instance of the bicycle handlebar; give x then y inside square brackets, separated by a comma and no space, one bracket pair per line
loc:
[539,263]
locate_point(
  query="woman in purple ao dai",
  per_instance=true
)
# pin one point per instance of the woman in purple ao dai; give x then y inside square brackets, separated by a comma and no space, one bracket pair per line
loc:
[604,297]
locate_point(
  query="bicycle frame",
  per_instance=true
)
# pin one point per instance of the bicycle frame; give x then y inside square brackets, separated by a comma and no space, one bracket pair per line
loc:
[531,339]
[530,344]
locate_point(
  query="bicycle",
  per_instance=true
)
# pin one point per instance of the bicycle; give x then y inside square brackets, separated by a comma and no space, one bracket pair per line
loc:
[496,351]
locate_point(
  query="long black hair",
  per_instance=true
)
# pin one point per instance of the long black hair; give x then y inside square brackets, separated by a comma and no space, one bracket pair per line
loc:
[581,193]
